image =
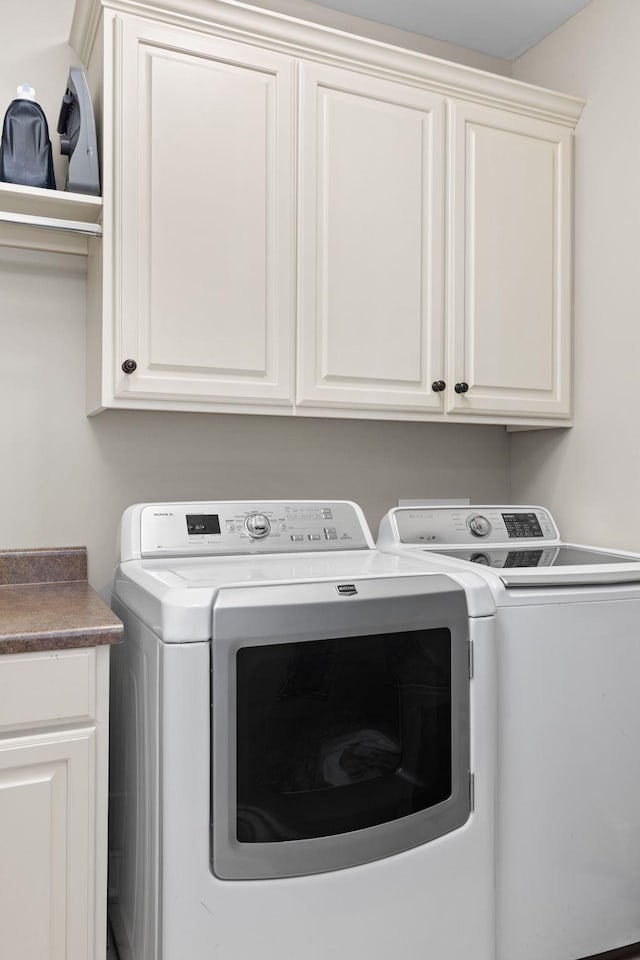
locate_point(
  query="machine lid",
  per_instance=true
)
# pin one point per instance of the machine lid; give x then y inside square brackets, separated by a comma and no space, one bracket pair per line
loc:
[562,564]
[565,555]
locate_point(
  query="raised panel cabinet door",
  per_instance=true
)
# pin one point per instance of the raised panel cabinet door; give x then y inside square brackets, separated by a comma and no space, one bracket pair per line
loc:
[47,862]
[204,226]
[370,234]
[509,293]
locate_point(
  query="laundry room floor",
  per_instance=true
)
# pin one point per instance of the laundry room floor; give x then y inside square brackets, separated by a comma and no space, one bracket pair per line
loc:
[627,953]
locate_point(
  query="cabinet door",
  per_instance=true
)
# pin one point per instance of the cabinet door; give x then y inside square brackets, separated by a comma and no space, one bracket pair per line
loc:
[370,229]
[203,232]
[46,847]
[509,297]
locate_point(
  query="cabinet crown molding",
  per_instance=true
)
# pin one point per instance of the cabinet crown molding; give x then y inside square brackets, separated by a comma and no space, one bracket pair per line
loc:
[297,37]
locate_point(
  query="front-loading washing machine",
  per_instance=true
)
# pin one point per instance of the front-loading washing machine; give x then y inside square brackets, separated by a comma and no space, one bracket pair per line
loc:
[568,629]
[302,765]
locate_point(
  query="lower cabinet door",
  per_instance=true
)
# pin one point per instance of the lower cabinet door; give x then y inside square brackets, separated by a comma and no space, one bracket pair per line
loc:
[46,842]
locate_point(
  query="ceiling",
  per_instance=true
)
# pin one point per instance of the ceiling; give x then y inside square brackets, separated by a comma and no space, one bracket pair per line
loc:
[499,28]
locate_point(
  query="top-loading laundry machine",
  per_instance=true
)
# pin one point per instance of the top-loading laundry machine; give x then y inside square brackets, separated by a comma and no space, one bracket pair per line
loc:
[568,628]
[302,765]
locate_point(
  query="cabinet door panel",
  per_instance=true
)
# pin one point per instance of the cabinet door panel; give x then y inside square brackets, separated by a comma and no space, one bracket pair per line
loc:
[206,255]
[46,829]
[370,236]
[510,294]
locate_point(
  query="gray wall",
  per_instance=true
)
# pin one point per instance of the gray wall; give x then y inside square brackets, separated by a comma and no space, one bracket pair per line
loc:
[589,476]
[66,479]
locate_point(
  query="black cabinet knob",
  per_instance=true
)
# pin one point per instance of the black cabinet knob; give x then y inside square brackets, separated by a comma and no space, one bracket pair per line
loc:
[129,366]
[438,386]
[461,387]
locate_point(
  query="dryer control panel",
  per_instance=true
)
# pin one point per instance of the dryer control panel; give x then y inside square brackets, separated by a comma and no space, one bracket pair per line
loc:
[431,526]
[227,528]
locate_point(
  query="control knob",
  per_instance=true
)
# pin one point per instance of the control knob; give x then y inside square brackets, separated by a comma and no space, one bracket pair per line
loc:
[479,525]
[257,526]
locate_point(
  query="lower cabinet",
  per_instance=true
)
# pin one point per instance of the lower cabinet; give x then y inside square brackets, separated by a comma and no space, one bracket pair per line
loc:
[53,805]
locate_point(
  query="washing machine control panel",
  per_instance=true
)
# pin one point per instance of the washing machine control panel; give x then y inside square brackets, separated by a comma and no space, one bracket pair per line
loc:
[432,526]
[239,527]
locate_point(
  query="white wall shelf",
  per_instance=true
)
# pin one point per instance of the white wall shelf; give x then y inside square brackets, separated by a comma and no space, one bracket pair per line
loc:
[32,218]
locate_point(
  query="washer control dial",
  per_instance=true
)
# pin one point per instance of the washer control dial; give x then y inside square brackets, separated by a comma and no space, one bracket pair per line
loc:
[479,525]
[257,526]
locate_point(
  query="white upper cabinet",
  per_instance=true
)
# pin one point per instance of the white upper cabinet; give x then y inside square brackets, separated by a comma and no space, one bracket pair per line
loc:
[370,242]
[300,221]
[509,305]
[203,220]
